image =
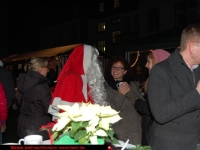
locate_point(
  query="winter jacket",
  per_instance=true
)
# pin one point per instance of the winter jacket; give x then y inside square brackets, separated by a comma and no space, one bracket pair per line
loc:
[175,104]
[8,83]
[3,106]
[36,100]
[129,127]
[143,108]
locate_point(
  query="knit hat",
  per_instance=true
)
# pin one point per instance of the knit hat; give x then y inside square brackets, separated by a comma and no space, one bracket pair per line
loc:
[1,63]
[160,55]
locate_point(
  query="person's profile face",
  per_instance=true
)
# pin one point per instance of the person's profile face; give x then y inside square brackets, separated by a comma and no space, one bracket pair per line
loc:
[43,71]
[149,63]
[118,71]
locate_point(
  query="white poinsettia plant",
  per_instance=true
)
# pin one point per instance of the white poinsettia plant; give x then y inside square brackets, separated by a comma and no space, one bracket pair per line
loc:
[86,123]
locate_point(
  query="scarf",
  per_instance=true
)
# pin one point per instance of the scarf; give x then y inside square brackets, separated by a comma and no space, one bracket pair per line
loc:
[113,84]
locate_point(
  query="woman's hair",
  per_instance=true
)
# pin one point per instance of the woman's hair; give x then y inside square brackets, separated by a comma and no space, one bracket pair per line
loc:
[37,62]
[150,55]
[114,60]
[96,80]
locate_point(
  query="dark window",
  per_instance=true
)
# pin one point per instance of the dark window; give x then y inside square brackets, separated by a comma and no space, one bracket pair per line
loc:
[186,12]
[153,19]
[127,24]
[116,4]
[101,7]
[116,21]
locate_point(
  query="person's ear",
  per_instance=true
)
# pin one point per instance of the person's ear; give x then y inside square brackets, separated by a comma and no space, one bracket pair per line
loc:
[191,47]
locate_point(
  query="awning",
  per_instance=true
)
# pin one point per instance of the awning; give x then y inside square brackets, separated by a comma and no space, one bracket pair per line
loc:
[50,52]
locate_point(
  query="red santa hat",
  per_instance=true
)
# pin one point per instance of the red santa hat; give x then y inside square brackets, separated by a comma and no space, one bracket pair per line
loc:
[72,84]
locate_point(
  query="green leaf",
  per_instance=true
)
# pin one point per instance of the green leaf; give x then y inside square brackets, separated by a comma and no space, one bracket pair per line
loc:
[80,134]
[63,134]
[71,134]
[75,126]
[115,141]
[140,147]
[55,135]
[111,134]
[108,140]
[85,123]
[83,140]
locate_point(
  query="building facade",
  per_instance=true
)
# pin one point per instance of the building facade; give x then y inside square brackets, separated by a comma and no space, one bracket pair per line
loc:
[110,25]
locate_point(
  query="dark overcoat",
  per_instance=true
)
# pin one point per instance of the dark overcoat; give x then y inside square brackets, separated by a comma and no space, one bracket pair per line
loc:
[175,105]
[36,100]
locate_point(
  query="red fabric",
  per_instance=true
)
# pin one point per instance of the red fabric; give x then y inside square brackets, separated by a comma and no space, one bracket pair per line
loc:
[3,104]
[69,82]
[49,127]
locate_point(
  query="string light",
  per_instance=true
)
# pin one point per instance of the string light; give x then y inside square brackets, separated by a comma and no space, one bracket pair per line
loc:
[138,54]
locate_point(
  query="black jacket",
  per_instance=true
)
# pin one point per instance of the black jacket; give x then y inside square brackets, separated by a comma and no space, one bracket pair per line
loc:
[36,100]
[143,108]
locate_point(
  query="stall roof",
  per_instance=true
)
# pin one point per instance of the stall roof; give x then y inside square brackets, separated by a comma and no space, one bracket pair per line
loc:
[41,53]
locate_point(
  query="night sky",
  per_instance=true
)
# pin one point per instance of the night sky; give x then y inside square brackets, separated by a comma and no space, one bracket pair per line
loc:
[25,18]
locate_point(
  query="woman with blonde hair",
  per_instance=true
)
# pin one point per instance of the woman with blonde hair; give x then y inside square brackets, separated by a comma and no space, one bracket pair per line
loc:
[153,57]
[36,99]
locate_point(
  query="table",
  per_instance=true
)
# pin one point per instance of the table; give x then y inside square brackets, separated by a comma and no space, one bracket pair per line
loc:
[47,142]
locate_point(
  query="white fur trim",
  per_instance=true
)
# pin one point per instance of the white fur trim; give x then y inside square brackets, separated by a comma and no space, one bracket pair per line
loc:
[84,90]
[87,57]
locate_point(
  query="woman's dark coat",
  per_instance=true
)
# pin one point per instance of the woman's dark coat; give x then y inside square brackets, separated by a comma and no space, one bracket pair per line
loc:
[143,108]
[36,100]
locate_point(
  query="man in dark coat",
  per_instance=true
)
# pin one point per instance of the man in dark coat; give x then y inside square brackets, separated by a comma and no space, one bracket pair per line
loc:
[8,83]
[174,96]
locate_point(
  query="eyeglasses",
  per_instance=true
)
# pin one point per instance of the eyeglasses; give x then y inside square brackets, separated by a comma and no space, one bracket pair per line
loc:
[116,68]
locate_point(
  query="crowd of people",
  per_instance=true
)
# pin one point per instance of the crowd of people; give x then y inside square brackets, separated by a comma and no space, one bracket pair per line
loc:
[166,117]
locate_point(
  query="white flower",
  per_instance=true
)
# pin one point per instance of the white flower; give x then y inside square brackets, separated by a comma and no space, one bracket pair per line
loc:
[106,111]
[94,118]
[93,140]
[62,122]
[100,133]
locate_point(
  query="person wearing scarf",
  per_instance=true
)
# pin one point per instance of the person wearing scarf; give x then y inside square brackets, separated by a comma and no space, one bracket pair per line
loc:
[121,95]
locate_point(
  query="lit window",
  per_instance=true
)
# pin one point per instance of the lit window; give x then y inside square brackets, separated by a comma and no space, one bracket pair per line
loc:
[116,36]
[102,46]
[101,7]
[153,19]
[115,3]
[101,26]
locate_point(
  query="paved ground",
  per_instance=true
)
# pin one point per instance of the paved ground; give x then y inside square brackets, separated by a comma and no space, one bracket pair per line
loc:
[10,135]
